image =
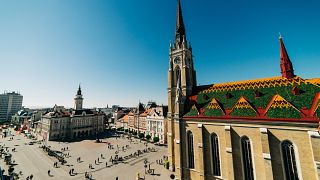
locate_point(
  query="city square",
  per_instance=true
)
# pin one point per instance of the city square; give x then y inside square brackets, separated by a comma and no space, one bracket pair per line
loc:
[34,160]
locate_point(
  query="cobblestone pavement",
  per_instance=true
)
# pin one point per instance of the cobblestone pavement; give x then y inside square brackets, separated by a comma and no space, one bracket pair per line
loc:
[32,159]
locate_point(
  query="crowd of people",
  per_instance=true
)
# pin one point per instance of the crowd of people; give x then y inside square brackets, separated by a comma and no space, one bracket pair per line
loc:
[119,156]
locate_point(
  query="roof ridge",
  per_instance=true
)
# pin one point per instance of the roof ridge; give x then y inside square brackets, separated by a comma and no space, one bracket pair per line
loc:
[255,83]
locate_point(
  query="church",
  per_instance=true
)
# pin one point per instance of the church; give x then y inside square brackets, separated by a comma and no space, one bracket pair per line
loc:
[255,129]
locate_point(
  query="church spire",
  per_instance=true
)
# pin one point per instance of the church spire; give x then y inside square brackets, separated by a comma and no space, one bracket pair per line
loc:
[180,30]
[285,63]
[79,90]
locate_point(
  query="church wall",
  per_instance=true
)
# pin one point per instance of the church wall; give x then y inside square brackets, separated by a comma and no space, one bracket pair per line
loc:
[303,150]
[264,168]
[256,151]
[219,130]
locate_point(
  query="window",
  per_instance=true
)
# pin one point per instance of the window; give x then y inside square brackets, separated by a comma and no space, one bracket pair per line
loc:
[190,150]
[247,158]
[215,157]
[289,160]
[177,76]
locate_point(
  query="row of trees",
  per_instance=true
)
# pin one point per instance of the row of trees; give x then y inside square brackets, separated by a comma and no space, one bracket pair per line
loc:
[140,135]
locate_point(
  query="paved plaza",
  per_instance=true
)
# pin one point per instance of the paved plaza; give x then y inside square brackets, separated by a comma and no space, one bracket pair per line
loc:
[32,159]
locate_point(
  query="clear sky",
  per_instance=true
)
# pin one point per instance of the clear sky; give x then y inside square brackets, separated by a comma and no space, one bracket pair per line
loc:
[118,49]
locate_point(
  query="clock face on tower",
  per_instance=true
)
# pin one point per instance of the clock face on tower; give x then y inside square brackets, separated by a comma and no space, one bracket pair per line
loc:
[177,60]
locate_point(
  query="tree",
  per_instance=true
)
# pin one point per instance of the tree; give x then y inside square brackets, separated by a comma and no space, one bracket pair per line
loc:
[148,137]
[156,139]
[141,135]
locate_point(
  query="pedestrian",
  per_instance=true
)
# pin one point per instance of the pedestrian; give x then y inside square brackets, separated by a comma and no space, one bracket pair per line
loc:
[117,178]
[70,172]
[106,164]
[49,172]
[27,178]
[95,161]
[31,176]
[98,159]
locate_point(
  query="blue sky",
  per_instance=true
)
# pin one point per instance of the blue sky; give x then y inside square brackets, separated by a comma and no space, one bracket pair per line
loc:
[118,49]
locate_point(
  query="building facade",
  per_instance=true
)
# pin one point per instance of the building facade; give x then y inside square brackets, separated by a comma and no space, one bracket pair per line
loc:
[20,116]
[137,119]
[62,124]
[10,103]
[149,120]
[255,129]
[157,123]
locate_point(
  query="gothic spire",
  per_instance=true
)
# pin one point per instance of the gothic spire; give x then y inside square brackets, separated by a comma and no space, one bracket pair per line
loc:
[180,30]
[79,90]
[285,63]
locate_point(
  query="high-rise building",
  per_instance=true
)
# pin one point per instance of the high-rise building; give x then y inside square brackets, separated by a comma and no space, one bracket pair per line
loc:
[254,129]
[10,103]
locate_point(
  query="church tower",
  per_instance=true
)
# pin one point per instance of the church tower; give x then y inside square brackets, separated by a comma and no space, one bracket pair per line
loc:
[78,100]
[181,83]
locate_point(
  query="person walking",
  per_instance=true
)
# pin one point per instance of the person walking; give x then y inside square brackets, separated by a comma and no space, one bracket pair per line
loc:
[49,172]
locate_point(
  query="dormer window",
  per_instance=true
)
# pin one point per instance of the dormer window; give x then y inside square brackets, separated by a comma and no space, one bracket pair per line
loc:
[296,91]
[229,96]
[257,93]
[205,97]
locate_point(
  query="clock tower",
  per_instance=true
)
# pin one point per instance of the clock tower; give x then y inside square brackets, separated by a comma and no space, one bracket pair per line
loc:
[181,83]
[78,100]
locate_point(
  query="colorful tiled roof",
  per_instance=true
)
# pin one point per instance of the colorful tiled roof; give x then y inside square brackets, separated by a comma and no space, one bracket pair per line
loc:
[268,98]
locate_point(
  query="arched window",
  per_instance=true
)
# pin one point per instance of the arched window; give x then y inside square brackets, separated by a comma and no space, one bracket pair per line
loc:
[190,150]
[177,76]
[247,158]
[289,160]
[215,155]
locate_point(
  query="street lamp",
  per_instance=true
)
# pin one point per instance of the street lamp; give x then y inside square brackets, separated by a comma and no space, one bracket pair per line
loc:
[145,166]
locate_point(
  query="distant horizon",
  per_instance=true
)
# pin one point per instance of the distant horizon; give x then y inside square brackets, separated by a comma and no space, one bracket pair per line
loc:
[118,50]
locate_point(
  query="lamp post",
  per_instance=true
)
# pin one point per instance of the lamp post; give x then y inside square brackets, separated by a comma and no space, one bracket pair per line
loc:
[145,166]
